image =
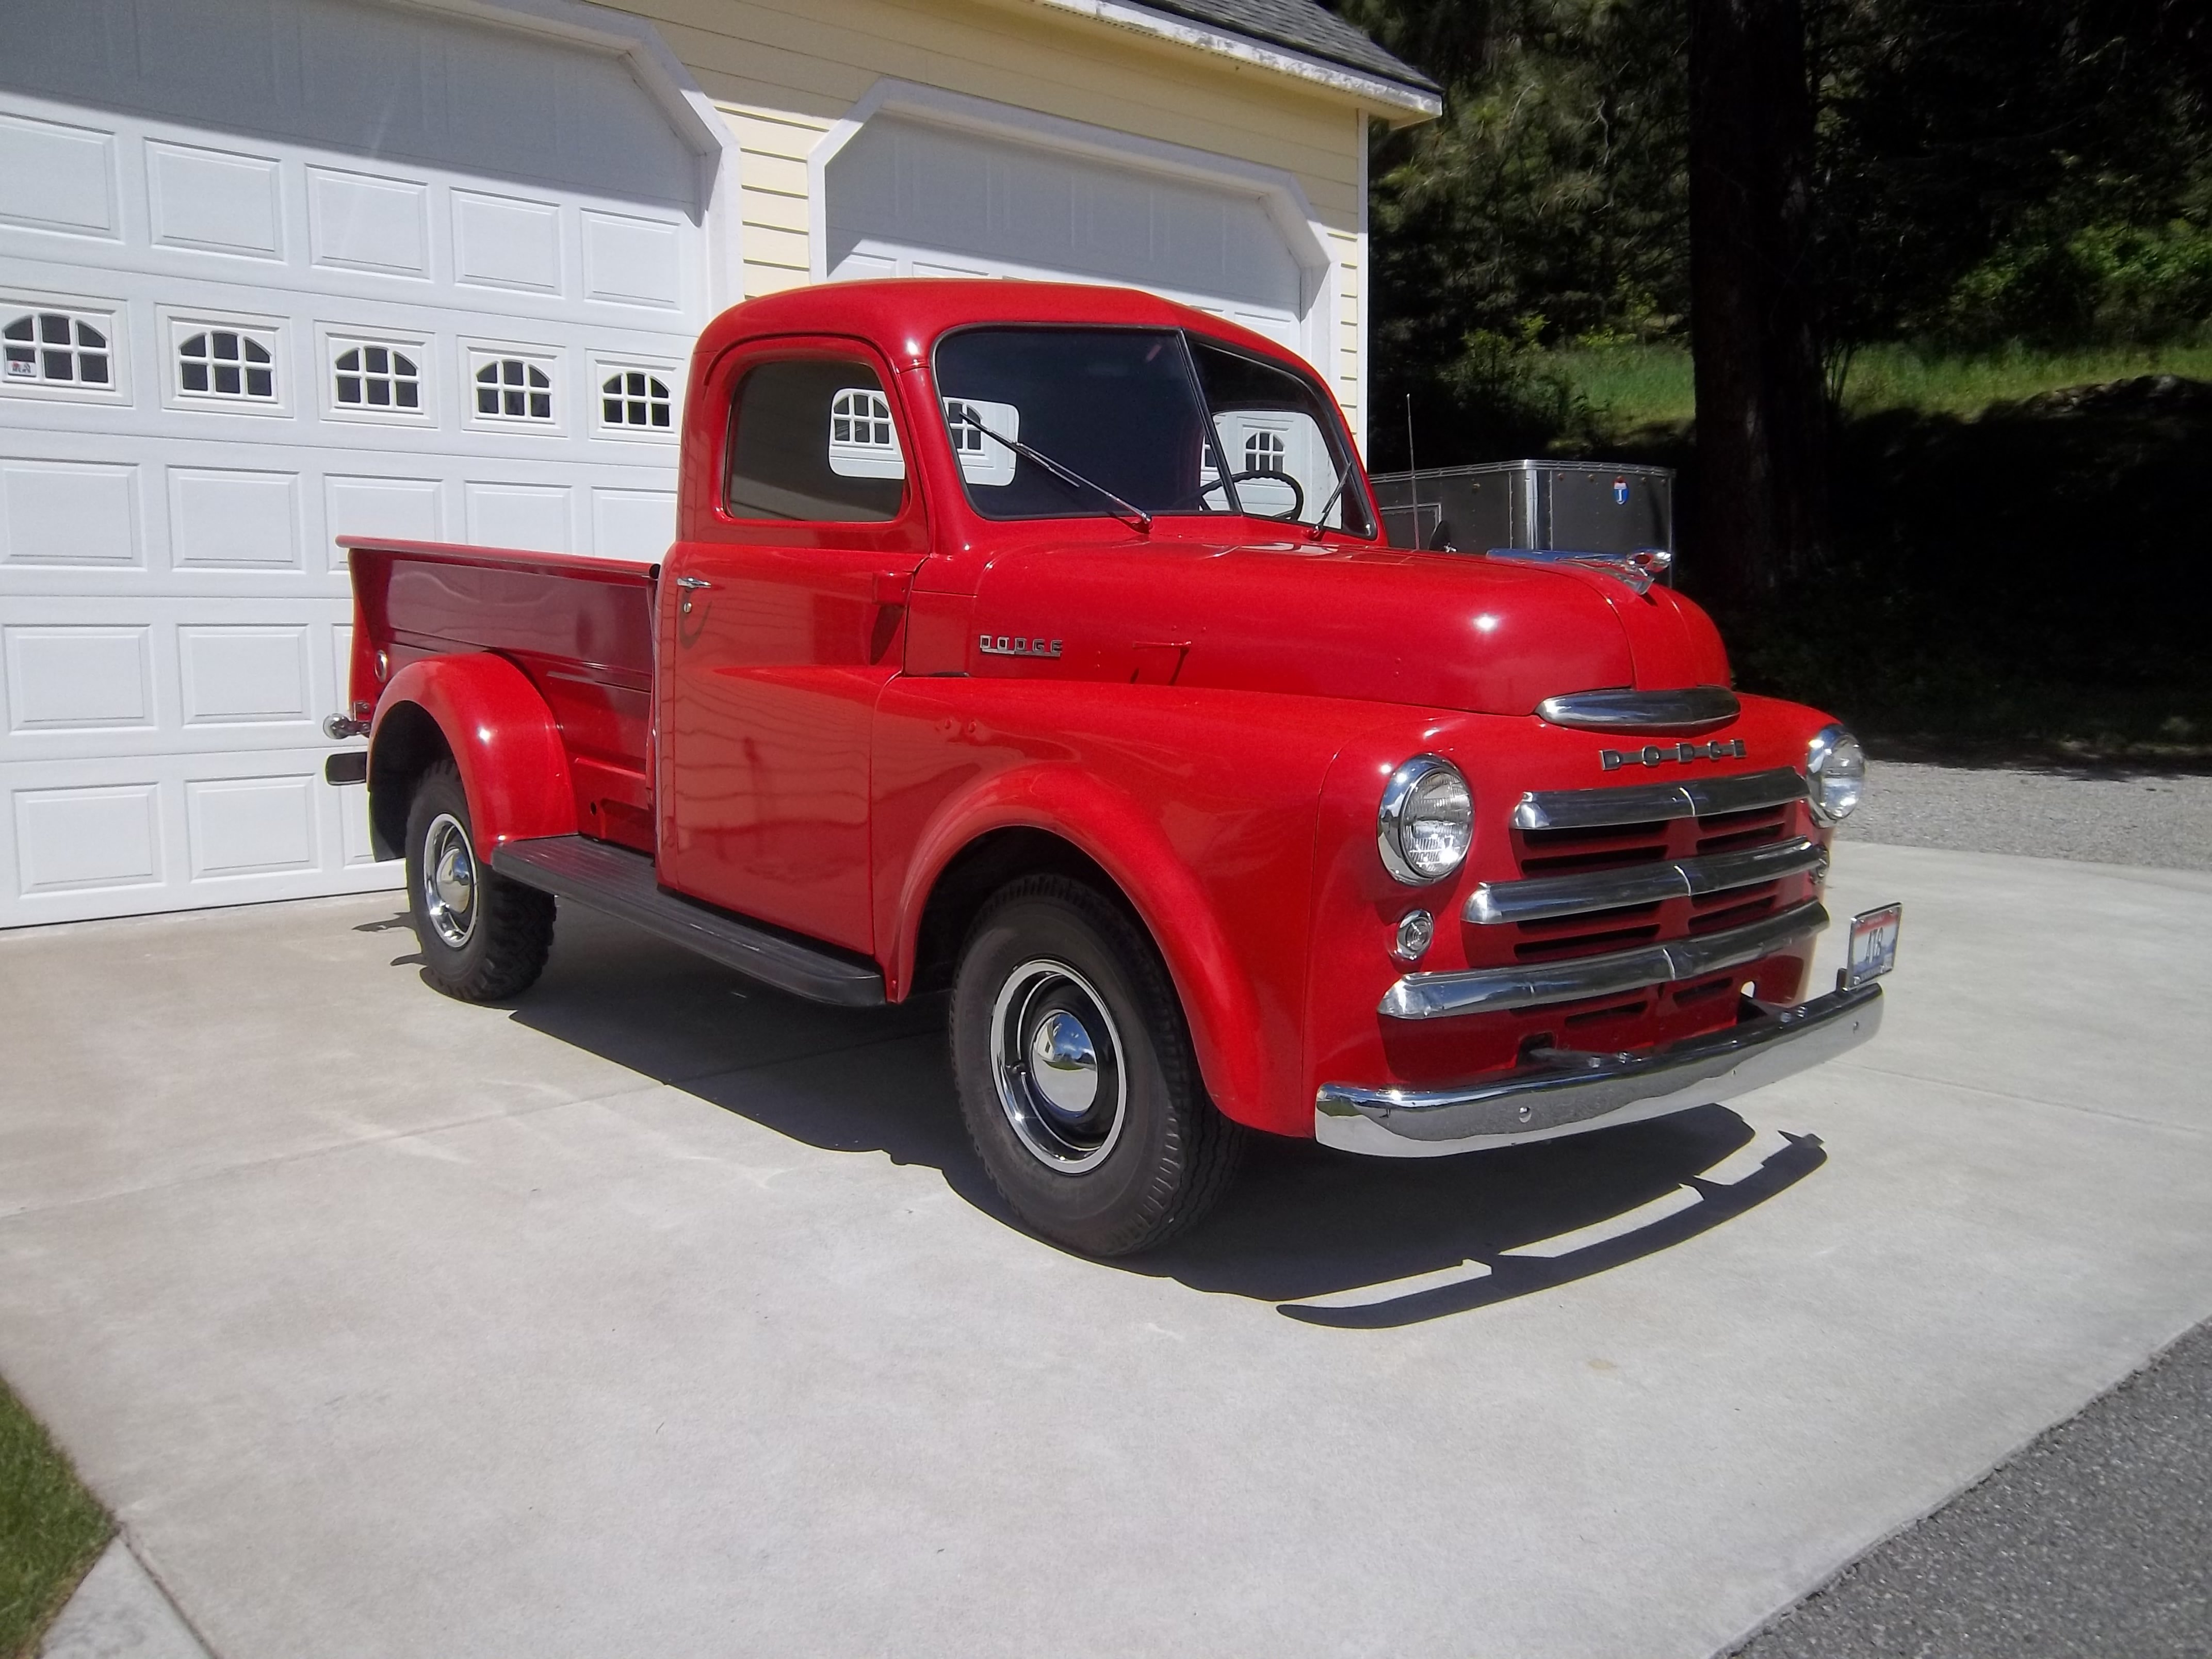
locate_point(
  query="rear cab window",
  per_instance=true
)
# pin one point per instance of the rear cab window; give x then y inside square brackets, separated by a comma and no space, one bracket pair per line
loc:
[811,439]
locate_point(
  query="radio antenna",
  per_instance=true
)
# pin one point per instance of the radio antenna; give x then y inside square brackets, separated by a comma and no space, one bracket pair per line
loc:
[1412,471]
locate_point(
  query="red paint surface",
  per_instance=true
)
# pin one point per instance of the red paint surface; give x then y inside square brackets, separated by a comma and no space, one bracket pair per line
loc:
[819,737]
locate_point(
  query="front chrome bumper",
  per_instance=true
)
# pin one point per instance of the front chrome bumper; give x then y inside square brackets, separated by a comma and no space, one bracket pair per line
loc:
[1544,1103]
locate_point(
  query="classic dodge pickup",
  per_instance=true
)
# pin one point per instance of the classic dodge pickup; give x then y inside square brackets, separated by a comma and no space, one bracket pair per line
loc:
[1036,643]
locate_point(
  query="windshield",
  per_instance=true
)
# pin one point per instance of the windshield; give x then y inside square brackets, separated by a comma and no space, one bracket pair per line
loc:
[1170,423]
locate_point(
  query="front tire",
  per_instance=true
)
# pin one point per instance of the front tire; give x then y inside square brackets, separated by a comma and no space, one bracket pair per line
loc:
[483,938]
[1076,1074]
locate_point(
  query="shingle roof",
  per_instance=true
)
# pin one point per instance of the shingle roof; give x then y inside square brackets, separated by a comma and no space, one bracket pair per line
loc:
[1302,26]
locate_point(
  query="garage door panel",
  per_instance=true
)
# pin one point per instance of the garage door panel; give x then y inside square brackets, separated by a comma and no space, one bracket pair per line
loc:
[68,680]
[369,222]
[215,201]
[256,674]
[55,177]
[64,514]
[408,509]
[251,826]
[85,838]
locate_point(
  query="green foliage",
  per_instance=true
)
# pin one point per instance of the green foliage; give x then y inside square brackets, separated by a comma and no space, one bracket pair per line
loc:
[1548,205]
[50,1530]
[2105,284]
[1988,172]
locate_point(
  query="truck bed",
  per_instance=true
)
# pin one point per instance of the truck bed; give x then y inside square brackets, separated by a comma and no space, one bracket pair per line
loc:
[581,629]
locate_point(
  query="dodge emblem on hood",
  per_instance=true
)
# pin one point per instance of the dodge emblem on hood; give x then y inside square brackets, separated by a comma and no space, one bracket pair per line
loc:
[1015,645]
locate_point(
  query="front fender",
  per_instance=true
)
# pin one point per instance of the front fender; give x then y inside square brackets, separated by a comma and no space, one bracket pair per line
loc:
[1124,840]
[502,736]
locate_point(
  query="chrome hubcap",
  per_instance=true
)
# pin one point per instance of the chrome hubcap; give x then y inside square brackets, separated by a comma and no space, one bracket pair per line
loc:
[449,880]
[1056,1058]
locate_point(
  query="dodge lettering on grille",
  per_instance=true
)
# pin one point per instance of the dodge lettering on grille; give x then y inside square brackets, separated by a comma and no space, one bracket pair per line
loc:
[1658,753]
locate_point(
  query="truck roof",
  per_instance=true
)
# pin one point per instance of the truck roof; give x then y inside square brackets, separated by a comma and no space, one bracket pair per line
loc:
[904,315]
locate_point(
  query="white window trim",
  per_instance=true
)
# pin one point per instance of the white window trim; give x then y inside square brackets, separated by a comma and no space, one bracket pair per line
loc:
[474,353]
[669,372]
[111,317]
[332,338]
[176,325]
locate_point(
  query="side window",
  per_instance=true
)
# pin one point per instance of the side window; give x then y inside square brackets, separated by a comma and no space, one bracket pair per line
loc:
[56,348]
[372,377]
[632,398]
[512,391]
[811,437]
[226,363]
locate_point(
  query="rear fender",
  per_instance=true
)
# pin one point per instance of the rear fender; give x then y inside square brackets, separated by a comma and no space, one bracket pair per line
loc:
[1118,835]
[502,735]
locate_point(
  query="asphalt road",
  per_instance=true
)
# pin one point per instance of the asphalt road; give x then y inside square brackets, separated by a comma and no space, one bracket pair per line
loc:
[2095,1539]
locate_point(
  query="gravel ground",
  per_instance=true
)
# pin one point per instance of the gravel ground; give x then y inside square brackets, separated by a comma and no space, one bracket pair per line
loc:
[2108,818]
[2094,1540]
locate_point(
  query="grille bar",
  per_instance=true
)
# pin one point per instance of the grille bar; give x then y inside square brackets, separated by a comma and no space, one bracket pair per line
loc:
[1542,897]
[1650,803]
[1535,984]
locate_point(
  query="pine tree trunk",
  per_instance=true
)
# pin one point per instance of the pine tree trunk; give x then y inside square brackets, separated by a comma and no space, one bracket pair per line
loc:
[1762,423]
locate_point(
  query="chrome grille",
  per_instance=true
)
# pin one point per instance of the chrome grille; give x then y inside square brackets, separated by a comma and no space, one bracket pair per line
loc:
[1625,872]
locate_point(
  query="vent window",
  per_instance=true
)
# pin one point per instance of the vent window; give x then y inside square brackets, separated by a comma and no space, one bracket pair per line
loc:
[631,397]
[227,363]
[55,347]
[373,377]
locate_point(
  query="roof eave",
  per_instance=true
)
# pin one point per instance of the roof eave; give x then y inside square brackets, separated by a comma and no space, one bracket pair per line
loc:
[1393,100]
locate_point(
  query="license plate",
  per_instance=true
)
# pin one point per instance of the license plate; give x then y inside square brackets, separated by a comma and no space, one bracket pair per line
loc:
[1873,945]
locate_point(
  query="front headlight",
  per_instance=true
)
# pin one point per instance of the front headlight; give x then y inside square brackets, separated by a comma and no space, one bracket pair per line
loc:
[1835,767]
[1426,822]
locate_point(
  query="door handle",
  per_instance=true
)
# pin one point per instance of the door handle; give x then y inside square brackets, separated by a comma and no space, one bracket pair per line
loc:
[692,581]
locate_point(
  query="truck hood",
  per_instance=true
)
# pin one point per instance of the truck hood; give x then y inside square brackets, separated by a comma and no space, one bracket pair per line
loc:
[1439,630]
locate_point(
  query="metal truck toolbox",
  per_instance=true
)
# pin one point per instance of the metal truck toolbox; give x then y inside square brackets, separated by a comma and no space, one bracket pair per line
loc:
[1580,507]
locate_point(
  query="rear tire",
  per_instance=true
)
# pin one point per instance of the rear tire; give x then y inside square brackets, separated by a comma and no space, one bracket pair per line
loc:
[483,938]
[1076,1074]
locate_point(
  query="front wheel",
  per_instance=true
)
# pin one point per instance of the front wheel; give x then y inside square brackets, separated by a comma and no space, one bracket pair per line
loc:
[1076,1075]
[483,938]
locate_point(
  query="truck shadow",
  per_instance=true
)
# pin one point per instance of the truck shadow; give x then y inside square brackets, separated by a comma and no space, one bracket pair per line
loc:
[1332,1239]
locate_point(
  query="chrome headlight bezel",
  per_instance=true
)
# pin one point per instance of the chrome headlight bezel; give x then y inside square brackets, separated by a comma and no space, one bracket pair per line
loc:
[1835,771]
[1415,782]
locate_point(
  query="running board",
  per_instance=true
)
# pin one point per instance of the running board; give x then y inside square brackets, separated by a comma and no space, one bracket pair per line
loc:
[623,884]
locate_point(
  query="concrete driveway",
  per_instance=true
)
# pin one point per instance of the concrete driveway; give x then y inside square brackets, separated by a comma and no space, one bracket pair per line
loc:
[663,1315]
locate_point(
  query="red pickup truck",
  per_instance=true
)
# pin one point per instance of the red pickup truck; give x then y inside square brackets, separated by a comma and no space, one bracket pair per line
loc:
[1036,643]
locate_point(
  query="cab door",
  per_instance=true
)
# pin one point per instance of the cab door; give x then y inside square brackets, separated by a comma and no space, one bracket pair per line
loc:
[782,619]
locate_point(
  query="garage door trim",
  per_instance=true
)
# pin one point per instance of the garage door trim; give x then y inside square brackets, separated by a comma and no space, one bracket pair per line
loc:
[691,113]
[1280,193]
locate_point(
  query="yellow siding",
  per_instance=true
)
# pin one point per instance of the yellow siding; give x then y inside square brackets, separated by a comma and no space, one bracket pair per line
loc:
[784,70]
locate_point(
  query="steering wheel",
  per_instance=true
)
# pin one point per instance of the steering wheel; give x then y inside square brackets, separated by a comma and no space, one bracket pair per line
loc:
[1197,497]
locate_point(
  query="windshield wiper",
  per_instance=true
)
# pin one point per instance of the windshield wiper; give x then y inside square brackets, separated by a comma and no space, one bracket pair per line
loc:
[1135,515]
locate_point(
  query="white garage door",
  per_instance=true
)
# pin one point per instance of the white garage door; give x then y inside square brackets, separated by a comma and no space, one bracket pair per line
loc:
[272,272]
[909,198]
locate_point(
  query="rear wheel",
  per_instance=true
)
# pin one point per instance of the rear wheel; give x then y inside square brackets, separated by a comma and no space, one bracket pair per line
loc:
[483,938]
[1076,1074]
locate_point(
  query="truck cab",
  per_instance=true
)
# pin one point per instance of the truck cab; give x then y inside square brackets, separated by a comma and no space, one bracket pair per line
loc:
[1037,645]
